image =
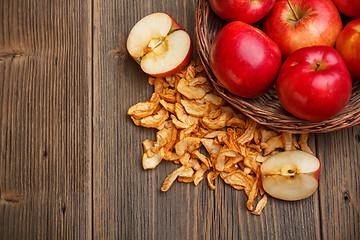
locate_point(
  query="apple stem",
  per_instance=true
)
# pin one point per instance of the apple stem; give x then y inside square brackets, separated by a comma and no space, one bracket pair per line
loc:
[293,10]
[317,66]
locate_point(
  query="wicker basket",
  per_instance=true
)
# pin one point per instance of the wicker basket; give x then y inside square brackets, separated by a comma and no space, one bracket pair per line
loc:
[267,109]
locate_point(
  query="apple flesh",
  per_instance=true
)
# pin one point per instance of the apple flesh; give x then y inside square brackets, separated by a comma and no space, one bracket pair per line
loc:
[350,8]
[159,44]
[294,24]
[348,45]
[244,59]
[314,83]
[242,10]
[291,175]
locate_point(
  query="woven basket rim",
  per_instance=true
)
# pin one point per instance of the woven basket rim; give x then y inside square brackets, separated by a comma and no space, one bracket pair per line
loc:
[207,25]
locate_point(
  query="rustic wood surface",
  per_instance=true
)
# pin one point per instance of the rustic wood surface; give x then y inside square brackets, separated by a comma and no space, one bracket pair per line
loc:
[70,157]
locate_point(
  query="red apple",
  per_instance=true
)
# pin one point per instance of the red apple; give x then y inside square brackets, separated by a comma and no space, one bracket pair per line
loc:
[244,59]
[159,45]
[291,175]
[348,45]
[294,24]
[314,83]
[349,8]
[242,10]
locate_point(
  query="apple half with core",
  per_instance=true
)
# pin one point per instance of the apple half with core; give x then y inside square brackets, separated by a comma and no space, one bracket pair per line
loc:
[291,175]
[242,10]
[348,45]
[294,24]
[314,83]
[349,8]
[244,59]
[159,44]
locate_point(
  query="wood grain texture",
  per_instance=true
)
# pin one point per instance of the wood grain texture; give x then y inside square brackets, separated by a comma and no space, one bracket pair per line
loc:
[279,220]
[340,183]
[127,199]
[45,128]
[70,157]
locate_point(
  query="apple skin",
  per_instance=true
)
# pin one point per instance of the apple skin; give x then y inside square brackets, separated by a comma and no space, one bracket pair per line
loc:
[242,10]
[244,59]
[176,26]
[314,83]
[319,24]
[291,175]
[350,8]
[139,50]
[179,67]
[348,45]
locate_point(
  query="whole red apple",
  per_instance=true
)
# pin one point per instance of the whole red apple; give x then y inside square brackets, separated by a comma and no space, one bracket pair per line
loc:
[242,10]
[314,83]
[294,24]
[348,45]
[349,8]
[244,59]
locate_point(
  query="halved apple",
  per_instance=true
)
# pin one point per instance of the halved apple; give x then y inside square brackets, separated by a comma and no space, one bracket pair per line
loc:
[291,175]
[159,44]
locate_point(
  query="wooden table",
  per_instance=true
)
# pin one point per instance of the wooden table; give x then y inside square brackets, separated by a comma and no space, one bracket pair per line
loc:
[70,157]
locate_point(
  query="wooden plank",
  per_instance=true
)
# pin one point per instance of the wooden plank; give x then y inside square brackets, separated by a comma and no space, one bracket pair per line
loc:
[128,203]
[45,119]
[279,220]
[339,183]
